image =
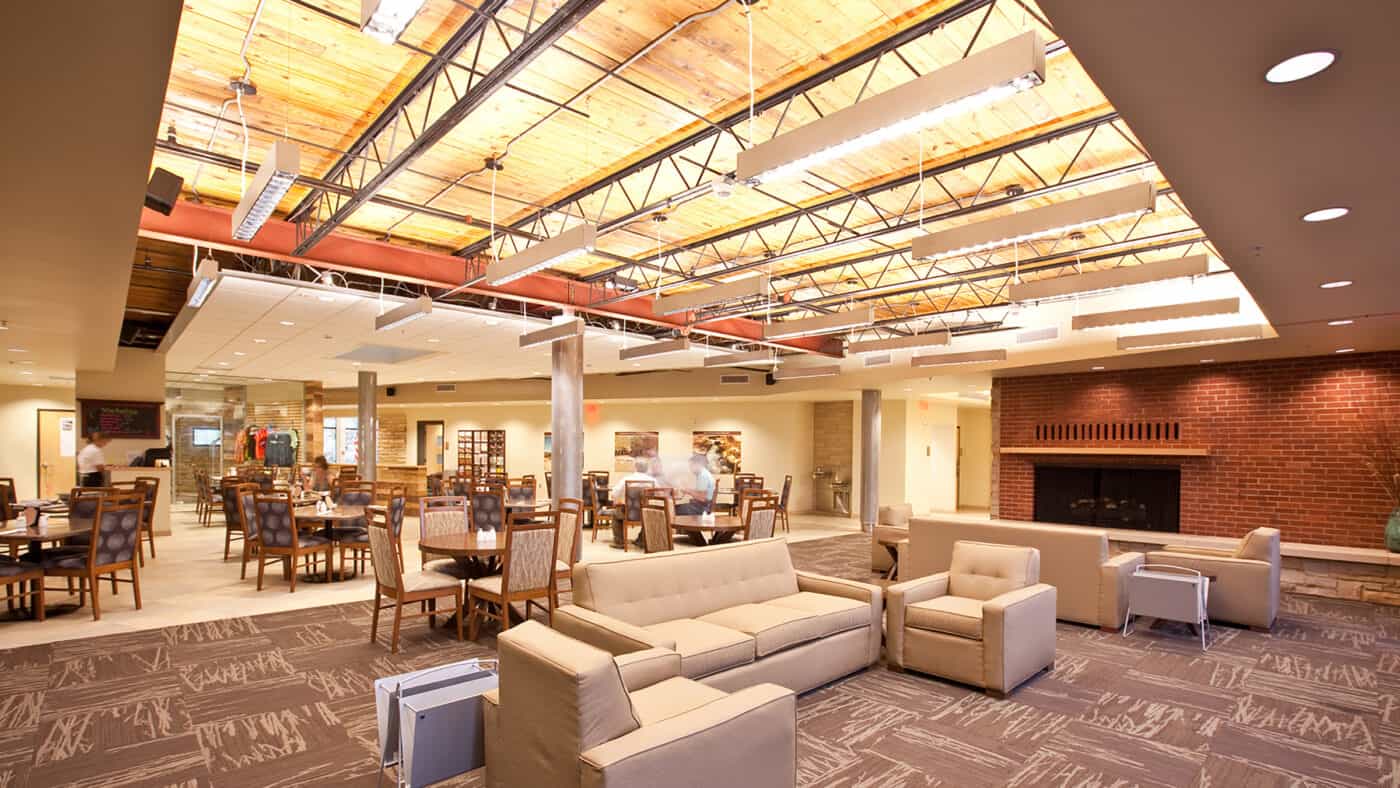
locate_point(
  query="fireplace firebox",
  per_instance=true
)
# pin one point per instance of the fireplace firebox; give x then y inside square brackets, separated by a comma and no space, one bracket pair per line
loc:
[1145,499]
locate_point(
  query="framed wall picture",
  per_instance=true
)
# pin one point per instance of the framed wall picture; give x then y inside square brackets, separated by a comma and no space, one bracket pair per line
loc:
[628,447]
[723,450]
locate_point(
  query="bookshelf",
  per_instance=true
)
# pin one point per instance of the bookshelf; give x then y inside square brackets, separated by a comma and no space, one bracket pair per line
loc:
[481,453]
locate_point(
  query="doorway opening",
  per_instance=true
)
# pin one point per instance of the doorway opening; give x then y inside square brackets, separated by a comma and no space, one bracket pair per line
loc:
[431,445]
[57,451]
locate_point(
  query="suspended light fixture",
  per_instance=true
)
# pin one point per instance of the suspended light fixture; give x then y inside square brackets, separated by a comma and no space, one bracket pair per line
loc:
[807,371]
[948,359]
[1050,220]
[205,276]
[404,314]
[961,87]
[931,339]
[385,20]
[567,245]
[1201,337]
[564,329]
[1037,335]
[717,294]
[821,324]
[1153,314]
[1111,279]
[654,349]
[743,359]
[270,184]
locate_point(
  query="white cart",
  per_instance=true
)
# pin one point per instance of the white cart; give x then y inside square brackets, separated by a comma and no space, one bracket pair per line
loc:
[1175,593]
[430,723]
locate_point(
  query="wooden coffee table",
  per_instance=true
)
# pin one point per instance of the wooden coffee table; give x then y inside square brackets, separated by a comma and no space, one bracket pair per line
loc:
[892,547]
[720,531]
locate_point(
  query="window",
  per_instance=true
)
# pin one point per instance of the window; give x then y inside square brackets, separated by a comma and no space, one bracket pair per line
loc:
[339,436]
[329,441]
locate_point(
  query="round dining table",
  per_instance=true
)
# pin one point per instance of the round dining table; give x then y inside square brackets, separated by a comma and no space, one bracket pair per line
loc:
[722,529]
[38,539]
[307,518]
[479,556]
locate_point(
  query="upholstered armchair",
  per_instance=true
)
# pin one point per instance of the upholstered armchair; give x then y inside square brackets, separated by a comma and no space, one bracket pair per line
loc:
[891,525]
[1244,585]
[987,621]
[569,714]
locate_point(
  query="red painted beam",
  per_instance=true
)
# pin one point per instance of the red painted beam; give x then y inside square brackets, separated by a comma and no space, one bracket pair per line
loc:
[210,226]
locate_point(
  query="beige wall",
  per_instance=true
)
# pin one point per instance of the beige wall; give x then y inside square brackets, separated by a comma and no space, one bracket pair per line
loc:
[777,436]
[975,484]
[139,376]
[931,455]
[19,432]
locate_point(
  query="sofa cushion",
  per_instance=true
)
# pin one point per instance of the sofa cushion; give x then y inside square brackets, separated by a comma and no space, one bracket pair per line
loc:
[704,647]
[839,613]
[951,615]
[666,699]
[777,627]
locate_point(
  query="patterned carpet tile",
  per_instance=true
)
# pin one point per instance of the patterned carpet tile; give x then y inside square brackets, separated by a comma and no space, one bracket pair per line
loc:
[287,700]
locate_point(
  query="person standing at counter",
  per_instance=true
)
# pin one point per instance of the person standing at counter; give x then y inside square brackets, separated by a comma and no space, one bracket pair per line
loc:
[92,463]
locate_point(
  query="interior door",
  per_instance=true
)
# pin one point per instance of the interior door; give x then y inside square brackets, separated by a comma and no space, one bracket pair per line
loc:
[431,445]
[58,451]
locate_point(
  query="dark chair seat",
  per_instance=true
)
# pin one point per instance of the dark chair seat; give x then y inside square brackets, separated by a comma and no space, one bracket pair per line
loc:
[78,540]
[447,566]
[10,567]
[62,560]
[349,534]
[312,540]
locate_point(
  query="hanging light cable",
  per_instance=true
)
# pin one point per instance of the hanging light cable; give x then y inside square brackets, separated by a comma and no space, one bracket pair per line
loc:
[748,15]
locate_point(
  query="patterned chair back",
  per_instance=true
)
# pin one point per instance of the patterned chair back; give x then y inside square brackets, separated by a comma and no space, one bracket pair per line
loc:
[665,495]
[521,491]
[762,515]
[747,481]
[570,535]
[248,509]
[357,493]
[435,486]
[787,491]
[633,493]
[488,508]
[116,529]
[397,504]
[747,497]
[442,515]
[7,498]
[385,552]
[82,503]
[276,520]
[228,497]
[656,526]
[152,491]
[529,554]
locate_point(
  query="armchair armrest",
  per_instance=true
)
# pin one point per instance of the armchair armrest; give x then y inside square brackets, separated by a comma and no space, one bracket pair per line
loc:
[850,589]
[644,668]
[1018,635]
[1188,549]
[1242,591]
[897,597]
[755,729]
[606,632]
[1113,588]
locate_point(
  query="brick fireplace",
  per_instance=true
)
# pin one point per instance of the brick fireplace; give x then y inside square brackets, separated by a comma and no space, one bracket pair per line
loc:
[1262,443]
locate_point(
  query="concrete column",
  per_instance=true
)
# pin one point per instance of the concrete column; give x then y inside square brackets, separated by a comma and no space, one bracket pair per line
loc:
[869,458]
[368,434]
[566,410]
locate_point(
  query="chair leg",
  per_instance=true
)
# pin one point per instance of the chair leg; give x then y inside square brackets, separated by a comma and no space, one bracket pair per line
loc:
[432,613]
[398,618]
[472,624]
[82,590]
[135,585]
[374,621]
[505,613]
[151,534]
[457,597]
[38,600]
[228,540]
[262,565]
[294,573]
[96,600]
[243,573]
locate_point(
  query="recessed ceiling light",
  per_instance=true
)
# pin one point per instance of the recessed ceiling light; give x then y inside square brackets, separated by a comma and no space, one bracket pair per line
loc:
[1097,368]
[354,363]
[451,371]
[223,363]
[286,322]
[491,321]
[239,353]
[201,375]
[1326,214]
[636,364]
[1336,284]
[1207,361]
[434,340]
[4,325]
[1339,350]
[1340,322]
[260,341]
[18,350]
[1300,66]
[27,372]
[25,363]
[267,380]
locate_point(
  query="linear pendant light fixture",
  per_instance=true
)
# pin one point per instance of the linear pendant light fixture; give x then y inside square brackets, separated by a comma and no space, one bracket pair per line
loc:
[572,327]
[739,289]
[743,359]
[1111,279]
[1054,219]
[205,276]
[956,89]
[1152,314]
[270,184]
[859,317]
[655,349]
[807,371]
[1201,337]
[931,339]
[968,357]
[404,314]
[385,20]
[571,243]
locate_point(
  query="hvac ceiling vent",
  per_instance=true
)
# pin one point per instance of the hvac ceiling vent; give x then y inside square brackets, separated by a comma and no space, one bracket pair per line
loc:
[879,360]
[733,380]
[445,388]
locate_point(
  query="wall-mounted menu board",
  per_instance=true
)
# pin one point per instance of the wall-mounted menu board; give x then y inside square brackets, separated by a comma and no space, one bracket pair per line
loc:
[121,419]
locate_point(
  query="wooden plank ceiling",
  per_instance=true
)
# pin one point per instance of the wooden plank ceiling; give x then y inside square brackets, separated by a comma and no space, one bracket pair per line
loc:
[321,82]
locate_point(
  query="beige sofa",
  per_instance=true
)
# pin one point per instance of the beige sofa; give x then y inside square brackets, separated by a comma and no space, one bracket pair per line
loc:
[568,714]
[891,524]
[737,614]
[1244,588]
[1092,585]
[987,621]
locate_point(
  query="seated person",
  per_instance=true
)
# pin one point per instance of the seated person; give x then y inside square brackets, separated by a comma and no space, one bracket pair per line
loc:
[639,474]
[702,498]
[319,479]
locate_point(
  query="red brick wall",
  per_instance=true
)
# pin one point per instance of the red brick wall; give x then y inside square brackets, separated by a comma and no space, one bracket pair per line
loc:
[1284,439]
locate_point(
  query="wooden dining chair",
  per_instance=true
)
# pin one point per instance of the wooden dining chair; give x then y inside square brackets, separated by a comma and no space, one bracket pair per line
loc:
[23,580]
[404,588]
[527,574]
[602,516]
[279,540]
[228,502]
[112,548]
[440,515]
[630,512]
[521,490]
[761,517]
[246,497]
[8,498]
[745,497]
[487,507]
[656,526]
[356,542]
[148,513]
[783,499]
[570,542]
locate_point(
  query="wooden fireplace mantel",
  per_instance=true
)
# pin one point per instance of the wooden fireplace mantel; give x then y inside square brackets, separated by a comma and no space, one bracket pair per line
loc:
[1133,451]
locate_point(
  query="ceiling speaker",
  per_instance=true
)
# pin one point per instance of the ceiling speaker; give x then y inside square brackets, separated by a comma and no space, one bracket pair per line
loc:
[163,191]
